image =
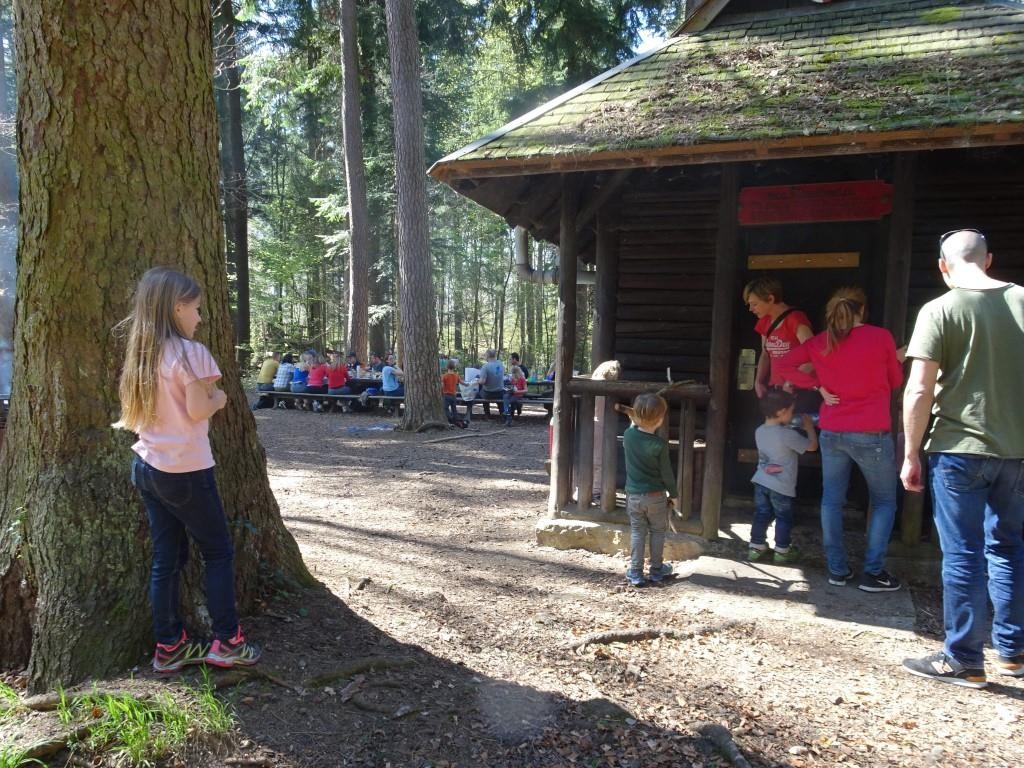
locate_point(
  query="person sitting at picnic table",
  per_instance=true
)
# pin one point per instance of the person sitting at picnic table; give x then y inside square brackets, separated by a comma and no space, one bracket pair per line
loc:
[283,379]
[351,361]
[518,382]
[265,380]
[513,362]
[301,374]
[316,382]
[391,379]
[376,364]
[492,385]
[337,378]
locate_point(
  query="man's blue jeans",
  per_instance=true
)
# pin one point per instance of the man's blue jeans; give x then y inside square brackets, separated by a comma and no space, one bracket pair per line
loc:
[874,454]
[177,503]
[769,504]
[979,513]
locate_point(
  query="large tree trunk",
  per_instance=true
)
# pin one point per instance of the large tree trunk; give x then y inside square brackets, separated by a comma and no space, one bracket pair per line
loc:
[423,402]
[232,158]
[355,175]
[129,183]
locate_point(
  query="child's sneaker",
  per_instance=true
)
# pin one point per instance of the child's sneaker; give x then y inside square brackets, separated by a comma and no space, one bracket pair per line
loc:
[790,556]
[839,580]
[636,579]
[235,652]
[755,555]
[171,658]
[661,574]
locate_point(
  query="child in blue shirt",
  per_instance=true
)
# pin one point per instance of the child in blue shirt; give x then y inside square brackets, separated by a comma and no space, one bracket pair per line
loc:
[778,449]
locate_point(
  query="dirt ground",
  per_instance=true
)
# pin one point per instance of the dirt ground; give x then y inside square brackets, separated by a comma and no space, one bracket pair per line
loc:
[442,635]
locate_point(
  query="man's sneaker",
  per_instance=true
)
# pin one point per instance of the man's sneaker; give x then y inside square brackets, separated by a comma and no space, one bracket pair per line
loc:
[1013,666]
[941,667]
[235,652]
[659,575]
[635,579]
[840,580]
[755,555]
[879,582]
[790,556]
[171,658]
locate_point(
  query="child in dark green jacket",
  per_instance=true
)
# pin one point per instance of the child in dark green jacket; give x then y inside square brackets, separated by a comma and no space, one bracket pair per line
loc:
[650,487]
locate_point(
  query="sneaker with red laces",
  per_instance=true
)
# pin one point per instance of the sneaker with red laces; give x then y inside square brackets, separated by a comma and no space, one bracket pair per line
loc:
[236,652]
[171,658]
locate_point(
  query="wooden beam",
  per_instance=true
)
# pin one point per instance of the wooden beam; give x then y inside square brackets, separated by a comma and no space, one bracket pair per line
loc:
[609,455]
[901,246]
[831,260]
[727,256]
[565,349]
[585,455]
[702,17]
[953,137]
[607,258]
[684,471]
[627,390]
[612,184]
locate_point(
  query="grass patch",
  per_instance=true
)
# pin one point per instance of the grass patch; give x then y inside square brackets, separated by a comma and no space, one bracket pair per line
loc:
[9,703]
[145,731]
[11,757]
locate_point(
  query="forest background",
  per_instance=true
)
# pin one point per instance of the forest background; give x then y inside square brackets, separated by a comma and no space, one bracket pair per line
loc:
[278,83]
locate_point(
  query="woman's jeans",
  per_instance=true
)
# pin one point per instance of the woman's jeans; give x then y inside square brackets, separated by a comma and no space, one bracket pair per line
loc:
[979,513]
[176,504]
[770,504]
[647,515]
[874,454]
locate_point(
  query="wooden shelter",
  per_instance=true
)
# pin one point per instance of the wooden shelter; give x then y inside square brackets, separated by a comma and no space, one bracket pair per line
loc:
[830,144]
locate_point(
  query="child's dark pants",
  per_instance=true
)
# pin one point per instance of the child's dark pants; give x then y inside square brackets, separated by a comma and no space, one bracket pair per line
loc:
[177,503]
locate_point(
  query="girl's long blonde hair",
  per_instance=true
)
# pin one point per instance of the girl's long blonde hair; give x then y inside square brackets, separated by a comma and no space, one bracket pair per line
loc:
[150,326]
[843,311]
[647,410]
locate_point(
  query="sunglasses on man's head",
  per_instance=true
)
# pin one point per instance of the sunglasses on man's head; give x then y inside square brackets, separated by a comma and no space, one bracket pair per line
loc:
[952,232]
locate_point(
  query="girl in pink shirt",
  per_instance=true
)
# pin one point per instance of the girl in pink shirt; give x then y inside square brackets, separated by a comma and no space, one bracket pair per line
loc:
[168,393]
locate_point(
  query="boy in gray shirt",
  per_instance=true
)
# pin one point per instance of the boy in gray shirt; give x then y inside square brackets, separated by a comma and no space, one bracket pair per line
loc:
[778,448]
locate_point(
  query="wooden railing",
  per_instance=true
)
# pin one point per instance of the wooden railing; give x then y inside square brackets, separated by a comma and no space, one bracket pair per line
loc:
[689,466]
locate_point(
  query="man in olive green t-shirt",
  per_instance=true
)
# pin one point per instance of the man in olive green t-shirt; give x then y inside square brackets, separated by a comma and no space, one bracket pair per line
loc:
[968,373]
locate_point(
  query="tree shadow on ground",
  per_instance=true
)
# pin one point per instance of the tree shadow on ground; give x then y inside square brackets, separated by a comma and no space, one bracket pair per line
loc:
[418,709]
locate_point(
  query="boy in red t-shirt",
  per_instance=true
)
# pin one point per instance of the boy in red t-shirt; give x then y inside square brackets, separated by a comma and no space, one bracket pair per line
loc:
[780,326]
[449,384]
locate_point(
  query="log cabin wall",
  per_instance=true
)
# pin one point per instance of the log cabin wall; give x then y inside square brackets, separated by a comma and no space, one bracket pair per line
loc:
[977,188]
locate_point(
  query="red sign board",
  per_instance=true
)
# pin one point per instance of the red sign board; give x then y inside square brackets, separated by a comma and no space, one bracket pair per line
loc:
[805,203]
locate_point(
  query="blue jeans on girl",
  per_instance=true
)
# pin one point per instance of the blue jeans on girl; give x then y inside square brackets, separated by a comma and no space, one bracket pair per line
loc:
[979,513]
[874,454]
[176,504]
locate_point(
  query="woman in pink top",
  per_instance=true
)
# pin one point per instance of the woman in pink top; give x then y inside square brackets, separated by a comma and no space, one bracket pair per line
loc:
[780,326]
[168,393]
[856,369]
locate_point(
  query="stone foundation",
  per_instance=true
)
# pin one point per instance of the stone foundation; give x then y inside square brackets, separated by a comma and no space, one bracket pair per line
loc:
[609,538]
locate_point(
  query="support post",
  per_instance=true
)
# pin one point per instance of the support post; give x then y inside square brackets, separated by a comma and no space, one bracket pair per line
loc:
[565,352]
[684,472]
[609,455]
[897,286]
[722,313]
[585,457]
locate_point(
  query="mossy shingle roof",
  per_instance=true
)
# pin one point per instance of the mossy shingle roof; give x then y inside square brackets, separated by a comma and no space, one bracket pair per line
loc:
[849,68]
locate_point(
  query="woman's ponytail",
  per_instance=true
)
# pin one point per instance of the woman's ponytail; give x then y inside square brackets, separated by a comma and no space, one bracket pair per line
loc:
[844,310]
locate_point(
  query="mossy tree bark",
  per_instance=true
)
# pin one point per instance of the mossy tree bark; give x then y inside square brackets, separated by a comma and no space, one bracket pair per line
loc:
[118,163]
[418,316]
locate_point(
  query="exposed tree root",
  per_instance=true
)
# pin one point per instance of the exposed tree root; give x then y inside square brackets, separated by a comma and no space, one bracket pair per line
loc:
[722,739]
[48,702]
[239,676]
[368,706]
[369,664]
[428,425]
[464,436]
[644,633]
[267,761]
[51,747]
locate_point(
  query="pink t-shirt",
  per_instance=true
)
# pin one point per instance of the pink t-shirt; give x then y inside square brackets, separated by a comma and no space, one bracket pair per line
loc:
[318,376]
[176,442]
[782,339]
